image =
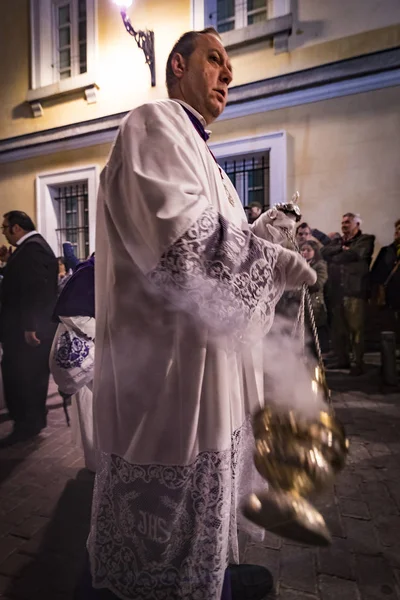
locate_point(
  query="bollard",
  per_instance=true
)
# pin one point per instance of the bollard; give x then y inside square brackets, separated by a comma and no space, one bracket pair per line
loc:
[388,358]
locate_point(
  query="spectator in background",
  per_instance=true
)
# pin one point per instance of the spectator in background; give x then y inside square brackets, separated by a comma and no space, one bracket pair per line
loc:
[334,235]
[71,261]
[304,233]
[28,296]
[72,354]
[63,274]
[349,259]
[255,210]
[311,252]
[62,271]
[385,279]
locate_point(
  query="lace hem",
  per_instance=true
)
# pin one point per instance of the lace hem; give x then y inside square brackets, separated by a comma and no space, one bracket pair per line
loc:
[167,532]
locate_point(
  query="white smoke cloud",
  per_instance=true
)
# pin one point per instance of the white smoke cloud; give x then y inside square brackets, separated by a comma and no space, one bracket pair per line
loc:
[289,371]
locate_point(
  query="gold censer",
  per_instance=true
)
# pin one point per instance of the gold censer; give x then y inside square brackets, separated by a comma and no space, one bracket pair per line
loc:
[299,458]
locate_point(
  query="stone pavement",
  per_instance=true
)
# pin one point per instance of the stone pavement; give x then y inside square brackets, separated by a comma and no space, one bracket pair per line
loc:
[45,496]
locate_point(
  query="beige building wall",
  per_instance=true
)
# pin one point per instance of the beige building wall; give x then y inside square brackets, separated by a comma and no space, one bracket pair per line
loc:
[259,61]
[343,155]
[124,79]
[122,75]
[17,179]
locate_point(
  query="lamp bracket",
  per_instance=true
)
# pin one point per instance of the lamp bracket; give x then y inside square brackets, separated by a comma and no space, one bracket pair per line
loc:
[145,41]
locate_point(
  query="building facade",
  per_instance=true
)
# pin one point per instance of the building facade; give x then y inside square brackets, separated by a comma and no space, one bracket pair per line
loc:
[313,105]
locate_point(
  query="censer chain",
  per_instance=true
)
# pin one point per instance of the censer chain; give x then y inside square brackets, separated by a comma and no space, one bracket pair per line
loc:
[306,304]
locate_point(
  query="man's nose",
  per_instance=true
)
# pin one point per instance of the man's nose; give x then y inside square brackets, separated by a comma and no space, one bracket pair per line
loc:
[225,75]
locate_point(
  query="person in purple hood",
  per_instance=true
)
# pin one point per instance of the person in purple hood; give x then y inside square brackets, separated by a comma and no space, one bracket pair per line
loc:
[72,354]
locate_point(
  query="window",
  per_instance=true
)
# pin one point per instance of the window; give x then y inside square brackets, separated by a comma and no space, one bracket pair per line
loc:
[250,176]
[236,14]
[66,209]
[63,43]
[73,218]
[258,179]
[245,22]
[70,37]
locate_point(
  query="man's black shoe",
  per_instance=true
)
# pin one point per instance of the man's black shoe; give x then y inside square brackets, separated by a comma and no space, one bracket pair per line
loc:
[250,582]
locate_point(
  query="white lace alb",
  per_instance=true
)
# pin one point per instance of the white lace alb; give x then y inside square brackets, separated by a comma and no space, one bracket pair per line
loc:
[167,532]
[227,277]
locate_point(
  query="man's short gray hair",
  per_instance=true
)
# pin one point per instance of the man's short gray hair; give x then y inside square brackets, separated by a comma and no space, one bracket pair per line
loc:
[185,46]
[355,216]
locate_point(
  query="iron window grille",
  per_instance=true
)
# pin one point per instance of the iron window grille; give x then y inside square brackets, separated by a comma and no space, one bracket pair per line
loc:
[73,218]
[250,176]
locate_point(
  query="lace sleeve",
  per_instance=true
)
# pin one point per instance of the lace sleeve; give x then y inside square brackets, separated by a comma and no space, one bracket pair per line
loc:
[225,276]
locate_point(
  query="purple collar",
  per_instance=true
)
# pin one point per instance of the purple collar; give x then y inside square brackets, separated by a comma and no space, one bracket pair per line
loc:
[197,124]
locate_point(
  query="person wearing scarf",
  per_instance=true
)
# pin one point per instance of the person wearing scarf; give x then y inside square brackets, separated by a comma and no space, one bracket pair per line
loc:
[72,354]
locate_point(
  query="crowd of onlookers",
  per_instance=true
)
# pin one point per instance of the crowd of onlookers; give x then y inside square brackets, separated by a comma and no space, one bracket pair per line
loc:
[347,286]
[345,291]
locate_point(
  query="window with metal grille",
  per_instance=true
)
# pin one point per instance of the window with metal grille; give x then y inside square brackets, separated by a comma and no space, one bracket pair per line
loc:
[73,218]
[250,176]
[235,14]
[71,37]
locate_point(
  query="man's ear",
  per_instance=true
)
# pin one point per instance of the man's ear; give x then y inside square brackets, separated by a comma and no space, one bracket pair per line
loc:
[178,65]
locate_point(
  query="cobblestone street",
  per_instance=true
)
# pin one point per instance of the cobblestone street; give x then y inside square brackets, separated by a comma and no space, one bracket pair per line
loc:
[45,499]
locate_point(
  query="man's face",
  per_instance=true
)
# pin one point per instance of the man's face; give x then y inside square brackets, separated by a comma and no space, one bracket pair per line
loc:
[349,226]
[303,234]
[397,234]
[255,212]
[207,74]
[8,232]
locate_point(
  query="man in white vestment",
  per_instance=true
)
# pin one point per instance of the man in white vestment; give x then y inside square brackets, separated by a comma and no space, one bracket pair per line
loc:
[185,293]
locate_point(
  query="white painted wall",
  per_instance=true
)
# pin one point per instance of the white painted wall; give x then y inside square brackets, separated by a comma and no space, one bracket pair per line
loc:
[319,21]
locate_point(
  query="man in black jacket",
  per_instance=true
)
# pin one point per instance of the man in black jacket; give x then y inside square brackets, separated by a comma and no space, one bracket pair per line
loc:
[28,297]
[385,280]
[386,270]
[348,258]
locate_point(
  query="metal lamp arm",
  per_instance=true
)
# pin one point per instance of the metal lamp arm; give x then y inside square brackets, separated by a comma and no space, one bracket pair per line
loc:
[145,41]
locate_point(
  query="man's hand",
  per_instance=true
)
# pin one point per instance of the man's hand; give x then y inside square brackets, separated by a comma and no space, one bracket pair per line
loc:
[278,218]
[5,253]
[31,339]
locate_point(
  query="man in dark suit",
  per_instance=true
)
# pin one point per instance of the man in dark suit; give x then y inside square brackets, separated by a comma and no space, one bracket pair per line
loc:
[28,297]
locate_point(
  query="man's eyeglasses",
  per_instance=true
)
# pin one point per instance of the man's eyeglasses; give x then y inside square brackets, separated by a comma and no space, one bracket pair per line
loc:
[4,227]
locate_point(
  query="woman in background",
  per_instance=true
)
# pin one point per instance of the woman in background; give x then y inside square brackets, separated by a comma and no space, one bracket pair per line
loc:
[311,252]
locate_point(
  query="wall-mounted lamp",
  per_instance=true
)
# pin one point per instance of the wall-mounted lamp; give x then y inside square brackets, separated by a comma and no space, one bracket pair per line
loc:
[144,39]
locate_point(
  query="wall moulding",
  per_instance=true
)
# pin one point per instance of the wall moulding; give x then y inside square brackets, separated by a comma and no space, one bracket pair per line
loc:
[62,89]
[358,75]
